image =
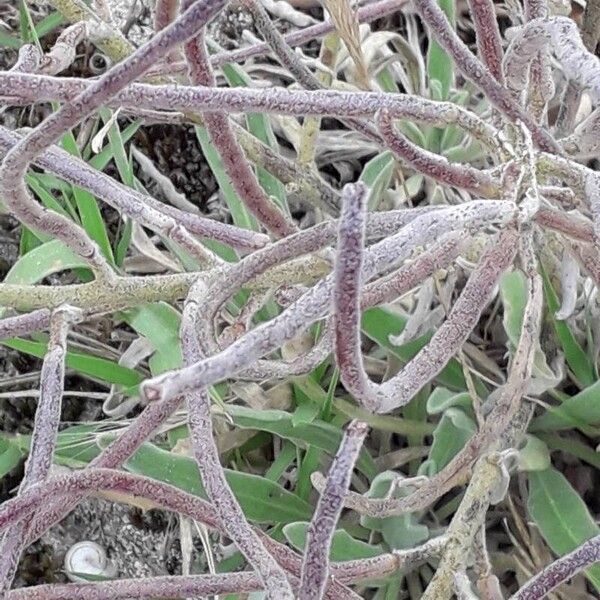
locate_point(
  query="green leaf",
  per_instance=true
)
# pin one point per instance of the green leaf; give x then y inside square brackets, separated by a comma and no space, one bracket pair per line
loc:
[387,82]
[240,215]
[10,455]
[561,515]
[462,153]
[49,23]
[284,460]
[87,206]
[308,464]
[450,436]
[28,241]
[581,411]
[441,399]
[343,546]
[124,241]
[401,426]
[76,446]
[377,175]
[577,359]
[380,323]
[317,433]
[9,41]
[159,323]
[573,447]
[262,501]
[117,146]
[453,135]
[534,456]
[513,292]
[28,33]
[46,198]
[92,366]
[439,65]
[47,259]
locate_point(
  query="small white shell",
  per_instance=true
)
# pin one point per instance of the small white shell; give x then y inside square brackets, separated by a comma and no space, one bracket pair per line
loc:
[88,558]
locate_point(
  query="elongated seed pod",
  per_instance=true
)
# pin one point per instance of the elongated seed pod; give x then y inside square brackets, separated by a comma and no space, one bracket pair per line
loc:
[315,566]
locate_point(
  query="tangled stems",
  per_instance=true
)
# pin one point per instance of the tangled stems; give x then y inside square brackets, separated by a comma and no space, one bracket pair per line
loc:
[206,453]
[315,303]
[487,478]
[489,40]
[445,342]
[479,74]
[45,432]
[362,277]
[144,209]
[497,424]
[15,163]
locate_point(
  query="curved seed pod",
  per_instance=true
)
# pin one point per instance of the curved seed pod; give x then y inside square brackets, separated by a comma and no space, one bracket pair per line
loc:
[231,278]
[176,500]
[315,566]
[192,585]
[28,60]
[179,586]
[165,13]
[589,259]
[560,570]
[584,142]
[24,324]
[449,337]
[478,73]
[435,166]
[383,290]
[282,101]
[407,277]
[45,432]
[535,9]
[488,473]
[96,479]
[365,14]
[346,298]
[592,193]
[489,40]
[101,479]
[559,34]
[580,178]
[112,457]
[206,453]
[236,165]
[445,342]
[315,303]
[541,87]
[570,225]
[63,52]
[504,412]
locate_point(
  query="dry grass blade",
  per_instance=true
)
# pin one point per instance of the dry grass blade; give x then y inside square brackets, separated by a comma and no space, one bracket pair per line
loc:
[347,25]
